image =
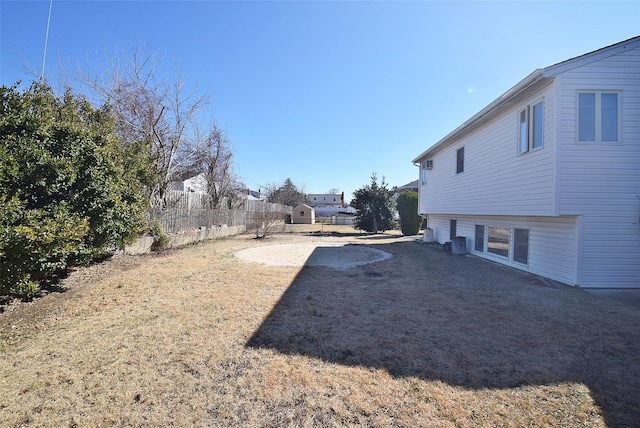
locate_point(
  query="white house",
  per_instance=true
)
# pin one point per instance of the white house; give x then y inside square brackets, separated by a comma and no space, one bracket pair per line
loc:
[326,200]
[546,178]
[195,184]
[331,205]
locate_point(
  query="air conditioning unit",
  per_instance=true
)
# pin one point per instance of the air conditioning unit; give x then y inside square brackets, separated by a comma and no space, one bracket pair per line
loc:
[428,164]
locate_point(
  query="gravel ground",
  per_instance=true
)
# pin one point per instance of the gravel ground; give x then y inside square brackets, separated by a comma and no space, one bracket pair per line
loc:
[336,253]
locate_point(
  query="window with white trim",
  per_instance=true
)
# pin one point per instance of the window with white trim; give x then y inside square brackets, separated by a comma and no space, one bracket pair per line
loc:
[479,239]
[498,240]
[460,160]
[530,127]
[599,116]
[424,172]
[521,245]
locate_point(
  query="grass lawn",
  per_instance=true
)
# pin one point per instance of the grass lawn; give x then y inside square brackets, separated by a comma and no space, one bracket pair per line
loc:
[198,337]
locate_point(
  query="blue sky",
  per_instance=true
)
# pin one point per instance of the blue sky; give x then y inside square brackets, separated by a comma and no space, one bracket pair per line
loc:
[324,93]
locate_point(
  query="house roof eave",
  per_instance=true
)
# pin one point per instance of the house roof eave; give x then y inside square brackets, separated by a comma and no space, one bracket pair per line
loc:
[526,86]
[589,57]
[529,84]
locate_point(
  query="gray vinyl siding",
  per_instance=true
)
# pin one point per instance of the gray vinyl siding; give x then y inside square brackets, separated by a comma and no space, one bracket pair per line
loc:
[496,179]
[601,181]
[552,242]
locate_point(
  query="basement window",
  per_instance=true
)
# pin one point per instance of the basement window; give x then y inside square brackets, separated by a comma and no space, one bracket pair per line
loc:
[498,241]
[521,246]
[479,239]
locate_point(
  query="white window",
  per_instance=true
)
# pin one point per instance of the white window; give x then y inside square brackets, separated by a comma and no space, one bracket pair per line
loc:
[521,245]
[479,240]
[498,241]
[424,172]
[599,117]
[530,127]
[460,160]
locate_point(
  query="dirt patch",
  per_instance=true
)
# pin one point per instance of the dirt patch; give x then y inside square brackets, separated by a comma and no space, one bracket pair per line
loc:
[333,252]
[200,337]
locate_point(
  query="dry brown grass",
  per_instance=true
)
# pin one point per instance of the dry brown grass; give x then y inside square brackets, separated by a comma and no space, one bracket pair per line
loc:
[196,337]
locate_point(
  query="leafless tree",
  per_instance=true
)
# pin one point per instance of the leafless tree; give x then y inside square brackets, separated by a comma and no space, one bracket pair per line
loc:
[267,222]
[148,110]
[211,155]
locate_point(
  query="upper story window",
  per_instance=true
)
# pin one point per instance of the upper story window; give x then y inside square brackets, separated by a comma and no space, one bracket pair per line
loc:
[425,166]
[599,116]
[530,127]
[460,160]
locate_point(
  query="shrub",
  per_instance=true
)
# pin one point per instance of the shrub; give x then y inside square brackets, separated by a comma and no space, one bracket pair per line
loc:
[410,220]
[374,207]
[160,238]
[65,192]
[34,245]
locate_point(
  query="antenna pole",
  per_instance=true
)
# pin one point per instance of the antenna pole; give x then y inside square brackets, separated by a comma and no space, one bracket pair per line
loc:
[46,40]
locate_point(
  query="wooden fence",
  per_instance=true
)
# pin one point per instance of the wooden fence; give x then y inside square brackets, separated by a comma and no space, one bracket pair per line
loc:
[176,220]
[189,211]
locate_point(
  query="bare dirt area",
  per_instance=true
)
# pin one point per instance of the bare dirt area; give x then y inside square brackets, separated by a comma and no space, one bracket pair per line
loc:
[317,330]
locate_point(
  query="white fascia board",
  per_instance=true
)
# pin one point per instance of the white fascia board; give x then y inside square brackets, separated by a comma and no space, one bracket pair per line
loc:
[531,81]
[594,56]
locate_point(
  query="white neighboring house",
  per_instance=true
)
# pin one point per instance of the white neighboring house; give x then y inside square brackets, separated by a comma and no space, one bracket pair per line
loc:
[253,195]
[329,204]
[326,200]
[546,178]
[195,184]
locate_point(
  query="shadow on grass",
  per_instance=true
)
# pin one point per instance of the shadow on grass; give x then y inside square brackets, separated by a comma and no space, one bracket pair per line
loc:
[467,322]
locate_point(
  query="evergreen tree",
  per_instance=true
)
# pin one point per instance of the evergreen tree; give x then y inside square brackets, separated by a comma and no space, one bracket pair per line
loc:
[374,207]
[287,194]
[410,220]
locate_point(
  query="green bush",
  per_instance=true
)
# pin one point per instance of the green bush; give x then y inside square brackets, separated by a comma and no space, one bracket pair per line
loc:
[374,207]
[34,245]
[160,238]
[68,188]
[407,206]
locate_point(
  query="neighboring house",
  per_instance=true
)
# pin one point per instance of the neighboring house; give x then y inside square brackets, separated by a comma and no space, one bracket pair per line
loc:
[329,204]
[326,200]
[328,211]
[253,195]
[409,187]
[546,178]
[195,184]
[303,214]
